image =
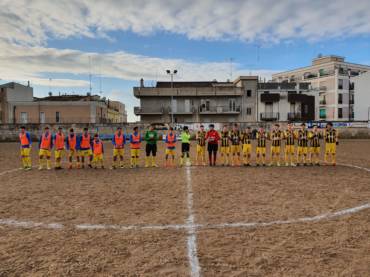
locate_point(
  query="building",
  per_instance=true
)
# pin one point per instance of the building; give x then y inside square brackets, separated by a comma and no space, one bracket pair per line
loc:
[19,106]
[205,101]
[331,77]
[243,100]
[116,112]
[286,102]
[361,85]
[10,94]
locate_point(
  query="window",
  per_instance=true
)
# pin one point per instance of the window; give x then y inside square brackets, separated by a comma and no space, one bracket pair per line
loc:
[340,83]
[24,117]
[322,113]
[340,113]
[340,98]
[57,117]
[249,111]
[42,117]
[249,93]
[232,105]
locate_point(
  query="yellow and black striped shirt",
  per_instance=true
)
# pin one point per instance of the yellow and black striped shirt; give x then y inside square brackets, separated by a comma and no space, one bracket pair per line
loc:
[201,138]
[235,137]
[315,139]
[246,138]
[302,138]
[275,138]
[331,136]
[225,139]
[261,139]
[289,137]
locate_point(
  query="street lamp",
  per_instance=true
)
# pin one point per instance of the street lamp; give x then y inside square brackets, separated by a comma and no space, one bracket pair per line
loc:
[171,73]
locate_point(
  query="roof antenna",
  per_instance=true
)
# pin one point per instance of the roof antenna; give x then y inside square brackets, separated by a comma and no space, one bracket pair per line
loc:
[231,68]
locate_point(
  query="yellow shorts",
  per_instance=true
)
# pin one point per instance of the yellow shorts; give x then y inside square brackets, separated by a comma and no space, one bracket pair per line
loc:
[302,150]
[225,149]
[201,149]
[289,149]
[261,151]
[118,152]
[170,152]
[58,153]
[72,152]
[25,152]
[275,150]
[98,158]
[235,149]
[45,153]
[135,152]
[247,148]
[84,153]
[315,150]
[330,148]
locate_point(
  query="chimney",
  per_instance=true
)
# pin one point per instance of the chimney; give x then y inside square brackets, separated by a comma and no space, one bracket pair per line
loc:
[141,82]
[28,83]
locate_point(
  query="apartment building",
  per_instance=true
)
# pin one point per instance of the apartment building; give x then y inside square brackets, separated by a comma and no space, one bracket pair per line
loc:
[19,106]
[205,101]
[286,102]
[332,78]
[243,100]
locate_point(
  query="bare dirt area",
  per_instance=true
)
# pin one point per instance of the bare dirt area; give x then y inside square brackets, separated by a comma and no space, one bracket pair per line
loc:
[160,197]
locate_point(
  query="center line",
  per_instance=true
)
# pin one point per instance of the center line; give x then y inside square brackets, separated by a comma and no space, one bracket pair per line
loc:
[192,238]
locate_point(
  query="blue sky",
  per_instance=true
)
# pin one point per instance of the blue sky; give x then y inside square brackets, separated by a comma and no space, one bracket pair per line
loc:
[40,40]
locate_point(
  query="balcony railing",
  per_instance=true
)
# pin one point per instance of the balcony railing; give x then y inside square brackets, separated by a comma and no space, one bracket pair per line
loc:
[219,110]
[191,110]
[294,116]
[322,102]
[269,116]
[148,111]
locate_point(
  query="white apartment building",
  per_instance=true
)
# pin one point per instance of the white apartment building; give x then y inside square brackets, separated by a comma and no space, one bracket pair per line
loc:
[332,78]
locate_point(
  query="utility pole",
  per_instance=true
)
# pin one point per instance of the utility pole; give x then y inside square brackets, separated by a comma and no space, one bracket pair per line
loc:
[172,73]
[90,90]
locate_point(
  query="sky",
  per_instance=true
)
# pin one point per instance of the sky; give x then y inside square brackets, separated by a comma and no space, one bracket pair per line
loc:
[57,44]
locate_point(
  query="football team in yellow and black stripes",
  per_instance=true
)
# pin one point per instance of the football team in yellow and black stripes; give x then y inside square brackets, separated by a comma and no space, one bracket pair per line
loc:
[301,147]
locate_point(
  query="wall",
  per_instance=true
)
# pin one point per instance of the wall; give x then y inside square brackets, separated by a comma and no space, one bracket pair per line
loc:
[362,96]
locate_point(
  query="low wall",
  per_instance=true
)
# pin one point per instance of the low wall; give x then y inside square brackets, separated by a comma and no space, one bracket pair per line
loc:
[9,132]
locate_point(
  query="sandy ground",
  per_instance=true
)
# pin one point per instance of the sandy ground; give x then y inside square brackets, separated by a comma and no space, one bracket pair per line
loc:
[141,196]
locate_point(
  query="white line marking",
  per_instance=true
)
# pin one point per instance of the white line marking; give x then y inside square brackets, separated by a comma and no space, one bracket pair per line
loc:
[192,238]
[30,224]
[9,171]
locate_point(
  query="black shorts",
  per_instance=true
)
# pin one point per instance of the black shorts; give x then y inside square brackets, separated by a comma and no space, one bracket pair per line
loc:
[151,148]
[212,147]
[185,147]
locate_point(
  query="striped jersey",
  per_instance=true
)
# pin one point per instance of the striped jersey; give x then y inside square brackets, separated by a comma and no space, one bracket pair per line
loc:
[201,138]
[289,137]
[225,139]
[246,138]
[302,138]
[275,137]
[315,139]
[331,136]
[261,139]
[235,137]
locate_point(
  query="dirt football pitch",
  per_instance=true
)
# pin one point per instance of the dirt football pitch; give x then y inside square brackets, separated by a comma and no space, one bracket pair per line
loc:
[190,221]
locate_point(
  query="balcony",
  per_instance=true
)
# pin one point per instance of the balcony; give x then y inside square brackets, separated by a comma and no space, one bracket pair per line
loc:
[322,102]
[148,111]
[270,97]
[219,110]
[269,116]
[189,111]
[294,116]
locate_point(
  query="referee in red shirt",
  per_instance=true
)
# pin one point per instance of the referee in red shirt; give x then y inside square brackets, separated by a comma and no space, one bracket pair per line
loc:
[212,138]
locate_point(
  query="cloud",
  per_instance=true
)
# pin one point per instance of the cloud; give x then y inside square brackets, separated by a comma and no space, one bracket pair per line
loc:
[33,63]
[33,22]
